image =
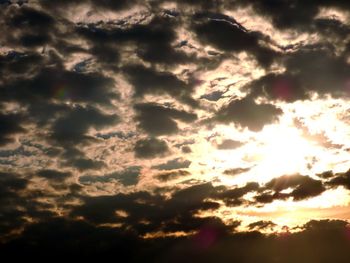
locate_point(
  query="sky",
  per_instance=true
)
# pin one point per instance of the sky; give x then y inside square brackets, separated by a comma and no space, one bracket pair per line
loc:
[175,131]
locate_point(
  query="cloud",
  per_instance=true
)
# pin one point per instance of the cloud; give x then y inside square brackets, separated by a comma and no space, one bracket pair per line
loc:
[309,69]
[53,175]
[109,108]
[149,81]
[294,14]
[47,235]
[278,87]
[9,126]
[150,147]
[11,187]
[171,175]
[127,177]
[303,187]
[155,40]
[14,64]
[320,70]
[261,225]
[326,175]
[236,171]
[177,163]
[158,120]
[73,126]
[342,179]
[233,197]
[29,27]
[229,145]
[186,149]
[83,164]
[147,213]
[209,244]
[247,113]
[225,33]
[62,85]
[11,183]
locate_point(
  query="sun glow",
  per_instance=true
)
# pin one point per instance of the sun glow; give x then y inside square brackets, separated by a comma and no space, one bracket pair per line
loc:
[281,151]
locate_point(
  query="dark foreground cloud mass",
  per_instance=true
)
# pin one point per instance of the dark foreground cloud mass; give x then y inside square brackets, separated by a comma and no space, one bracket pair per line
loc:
[155,131]
[319,241]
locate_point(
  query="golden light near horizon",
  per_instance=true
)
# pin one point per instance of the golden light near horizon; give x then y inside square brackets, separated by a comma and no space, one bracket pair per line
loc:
[288,147]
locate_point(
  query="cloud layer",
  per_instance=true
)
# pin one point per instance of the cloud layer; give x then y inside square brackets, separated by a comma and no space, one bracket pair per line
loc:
[175,130]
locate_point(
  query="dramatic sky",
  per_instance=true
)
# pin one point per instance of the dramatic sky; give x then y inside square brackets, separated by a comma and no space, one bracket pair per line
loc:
[167,131]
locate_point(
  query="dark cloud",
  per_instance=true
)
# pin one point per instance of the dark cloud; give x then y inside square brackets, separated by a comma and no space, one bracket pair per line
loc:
[177,163]
[151,147]
[236,171]
[233,197]
[341,179]
[14,64]
[118,134]
[225,33]
[278,87]
[27,26]
[331,27]
[303,187]
[127,177]
[75,124]
[9,126]
[74,239]
[159,120]
[102,209]
[149,81]
[62,85]
[196,193]
[11,206]
[155,41]
[320,70]
[262,225]
[21,151]
[11,182]
[211,243]
[213,96]
[53,175]
[293,14]
[145,213]
[83,164]
[310,69]
[229,145]
[247,113]
[267,198]
[326,175]
[317,67]
[286,14]
[171,175]
[107,55]
[186,149]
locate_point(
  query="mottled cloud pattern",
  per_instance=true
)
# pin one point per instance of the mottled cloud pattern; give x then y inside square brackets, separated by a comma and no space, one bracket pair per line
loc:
[175,130]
